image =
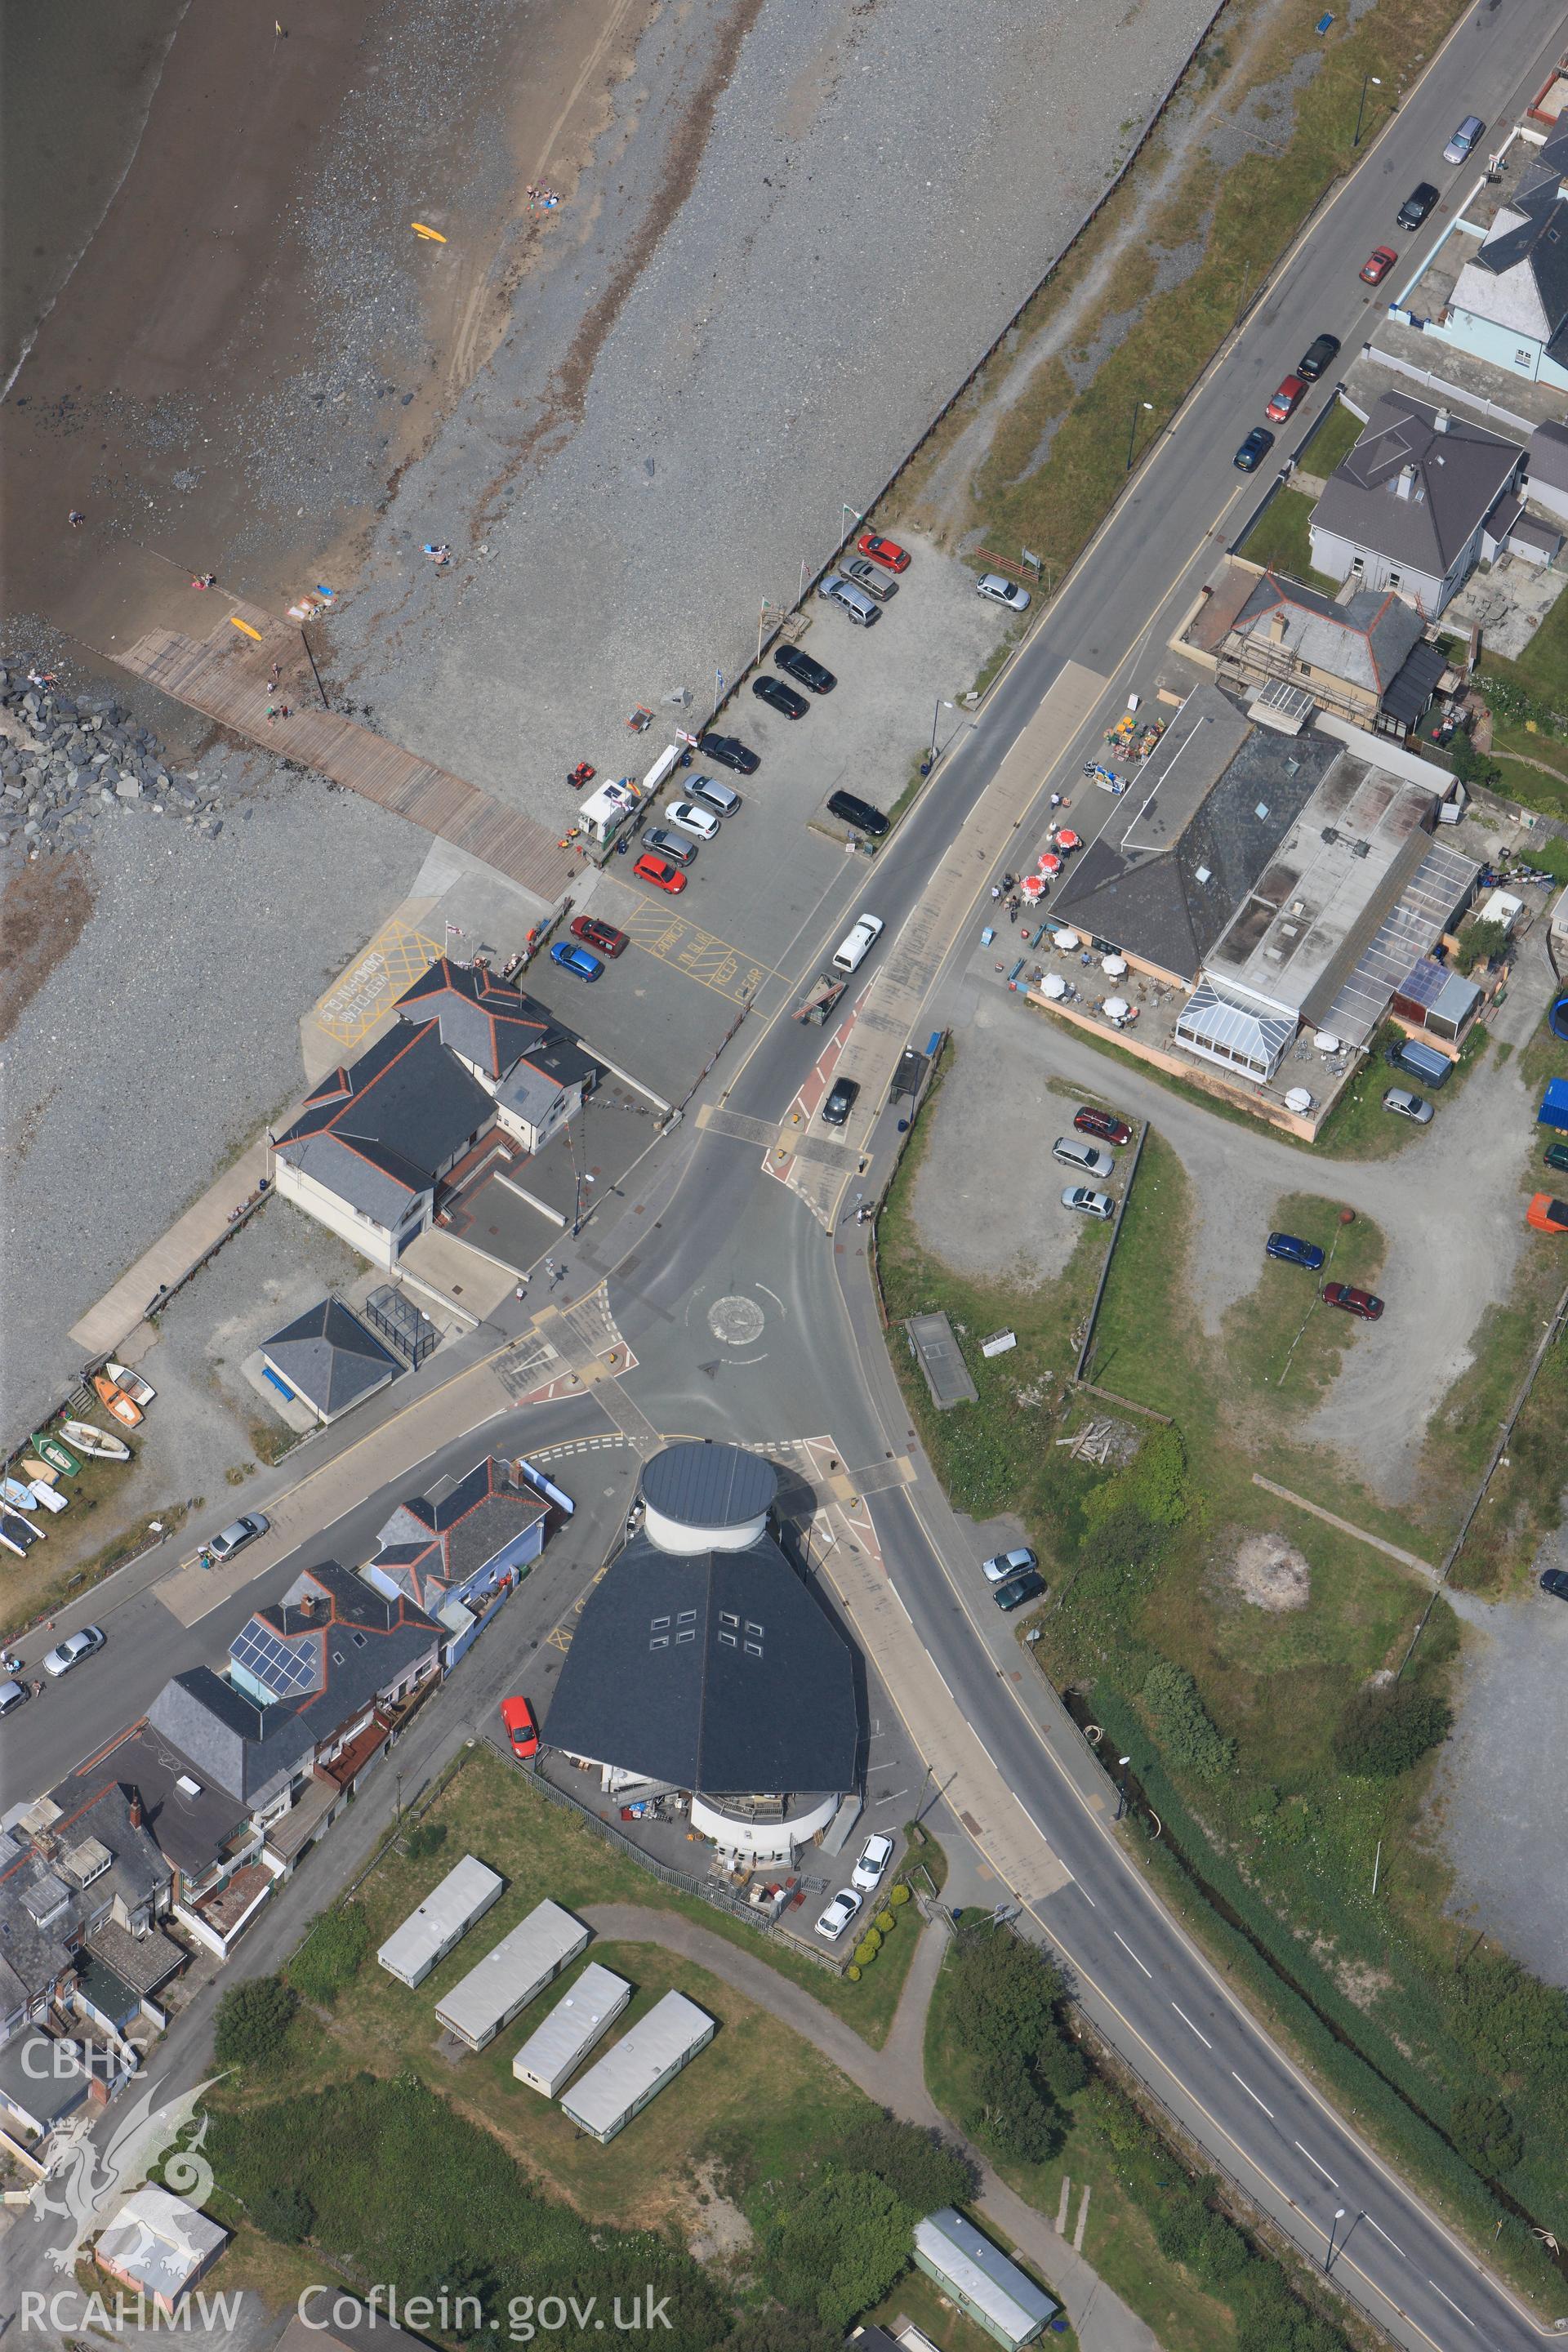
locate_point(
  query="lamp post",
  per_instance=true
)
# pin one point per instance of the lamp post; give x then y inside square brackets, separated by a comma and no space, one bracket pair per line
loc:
[1132,428]
[942,706]
[1121,1764]
[1370,81]
[1333,2225]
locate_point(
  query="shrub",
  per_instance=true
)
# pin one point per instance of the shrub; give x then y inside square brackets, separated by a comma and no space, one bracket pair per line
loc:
[1384,1731]
[283,2212]
[251,2022]
[839,2250]
[1483,2131]
[1188,1733]
[331,1954]
[864,1953]
[426,1839]
[898,1894]
[1012,2116]
[874,1937]
[919,2165]
[1062,2067]
[885,1922]
[853,1972]
[1007,1993]
[1481,943]
[1472,767]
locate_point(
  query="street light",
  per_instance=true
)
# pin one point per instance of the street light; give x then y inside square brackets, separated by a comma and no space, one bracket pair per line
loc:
[1132,428]
[1121,1764]
[936,714]
[1372,81]
[1333,2225]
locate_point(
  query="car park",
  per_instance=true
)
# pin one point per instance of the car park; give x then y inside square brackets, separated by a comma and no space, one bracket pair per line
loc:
[603,936]
[1294,1251]
[868,579]
[1004,1564]
[875,1855]
[1404,1104]
[673,845]
[832,1922]
[1087,1156]
[236,1536]
[850,598]
[1417,205]
[13,1694]
[715,794]
[729,752]
[850,809]
[1286,399]
[1344,1295]
[1545,1215]
[660,873]
[885,551]
[1378,264]
[521,1728]
[1089,1203]
[692,819]
[812,674]
[576,959]
[1103,1123]
[1253,450]
[1003,592]
[780,696]
[1464,138]
[842,1097]
[74,1649]
[1321,352]
[1555,1580]
[851,952]
[1019,1589]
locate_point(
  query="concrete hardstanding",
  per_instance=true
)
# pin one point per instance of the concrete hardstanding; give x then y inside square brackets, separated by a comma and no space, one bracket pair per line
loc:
[445,1917]
[554,2050]
[639,2066]
[508,1977]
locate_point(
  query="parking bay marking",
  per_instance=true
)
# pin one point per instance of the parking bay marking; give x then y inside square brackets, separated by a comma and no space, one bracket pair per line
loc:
[712,963]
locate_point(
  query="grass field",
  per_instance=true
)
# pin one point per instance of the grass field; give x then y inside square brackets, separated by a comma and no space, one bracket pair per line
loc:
[1358,1128]
[1279,537]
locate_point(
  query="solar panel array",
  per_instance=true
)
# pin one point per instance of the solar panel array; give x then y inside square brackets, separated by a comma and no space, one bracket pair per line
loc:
[273,1664]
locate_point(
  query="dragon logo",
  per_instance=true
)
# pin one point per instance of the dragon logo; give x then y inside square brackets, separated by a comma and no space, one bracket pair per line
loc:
[89,2179]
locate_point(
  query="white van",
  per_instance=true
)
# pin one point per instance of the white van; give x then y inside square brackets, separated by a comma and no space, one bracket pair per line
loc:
[854,951]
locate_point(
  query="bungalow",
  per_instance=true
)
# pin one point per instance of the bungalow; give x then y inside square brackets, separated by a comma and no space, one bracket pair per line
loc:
[328,1360]
[458,1558]
[1408,508]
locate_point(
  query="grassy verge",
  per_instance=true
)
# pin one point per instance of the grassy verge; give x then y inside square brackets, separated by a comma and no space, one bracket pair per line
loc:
[1358,1128]
[1279,537]
[1332,442]
[34,1592]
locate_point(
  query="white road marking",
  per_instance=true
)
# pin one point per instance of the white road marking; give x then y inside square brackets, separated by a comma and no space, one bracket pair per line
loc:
[1131,1953]
[1187,2021]
[1449,2299]
[1384,2236]
[1251,2095]
[1316,2166]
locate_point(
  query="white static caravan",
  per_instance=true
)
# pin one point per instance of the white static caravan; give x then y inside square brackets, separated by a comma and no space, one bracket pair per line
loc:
[638,2067]
[442,1920]
[509,1977]
[557,2048]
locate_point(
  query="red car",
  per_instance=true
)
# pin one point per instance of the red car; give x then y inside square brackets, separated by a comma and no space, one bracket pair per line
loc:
[603,936]
[1378,264]
[885,551]
[1286,399]
[660,873]
[521,1728]
[1103,1123]
[1354,1302]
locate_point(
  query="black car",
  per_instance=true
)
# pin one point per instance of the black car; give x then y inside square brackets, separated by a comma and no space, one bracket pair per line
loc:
[1019,1589]
[1253,450]
[1317,355]
[729,752]
[1555,1580]
[774,691]
[850,809]
[1417,206]
[842,1097]
[804,670]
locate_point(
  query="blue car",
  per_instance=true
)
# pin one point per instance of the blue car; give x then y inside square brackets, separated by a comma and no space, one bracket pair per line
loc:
[1253,449]
[586,966]
[1294,1251]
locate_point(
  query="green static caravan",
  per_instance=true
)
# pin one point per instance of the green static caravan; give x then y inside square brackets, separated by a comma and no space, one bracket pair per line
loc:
[638,2067]
[979,2278]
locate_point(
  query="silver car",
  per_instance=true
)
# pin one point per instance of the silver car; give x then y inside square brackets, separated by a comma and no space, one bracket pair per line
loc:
[1004,1564]
[236,1536]
[869,578]
[1408,1106]
[74,1649]
[1003,592]
[1091,1203]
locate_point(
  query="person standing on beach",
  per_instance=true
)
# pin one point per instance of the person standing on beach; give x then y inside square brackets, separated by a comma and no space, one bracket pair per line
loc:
[75,517]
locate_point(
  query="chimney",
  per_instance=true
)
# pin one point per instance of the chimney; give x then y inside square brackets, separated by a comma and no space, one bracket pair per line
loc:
[1442,422]
[135,1808]
[1280,624]
[1405,483]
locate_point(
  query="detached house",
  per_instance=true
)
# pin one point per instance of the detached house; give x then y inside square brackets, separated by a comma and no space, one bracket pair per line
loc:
[1410,507]
[458,1558]
[1509,302]
[1295,652]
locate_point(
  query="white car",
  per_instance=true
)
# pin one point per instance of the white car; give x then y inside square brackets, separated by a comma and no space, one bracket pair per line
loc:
[1003,592]
[1004,1564]
[838,1913]
[1091,1203]
[692,819]
[875,1855]
[73,1649]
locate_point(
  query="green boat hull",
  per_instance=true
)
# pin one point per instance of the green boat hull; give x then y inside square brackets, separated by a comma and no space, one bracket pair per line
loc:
[58,1455]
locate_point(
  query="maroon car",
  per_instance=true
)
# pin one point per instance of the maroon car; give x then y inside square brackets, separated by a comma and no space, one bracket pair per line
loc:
[1103,1123]
[603,936]
[1354,1302]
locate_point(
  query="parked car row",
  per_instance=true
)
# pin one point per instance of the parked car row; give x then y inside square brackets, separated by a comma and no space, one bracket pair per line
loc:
[1086,1199]
[1293,1250]
[864,1880]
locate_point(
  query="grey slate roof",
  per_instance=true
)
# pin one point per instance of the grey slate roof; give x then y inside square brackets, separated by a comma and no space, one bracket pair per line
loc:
[1547,459]
[1408,694]
[37,1924]
[1457,477]
[376,1132]
[330,1358]
[428,1548]
[491,1024]
[717,1673]
[708,1485]
[189,1828]
[1363,642]
[1530,236]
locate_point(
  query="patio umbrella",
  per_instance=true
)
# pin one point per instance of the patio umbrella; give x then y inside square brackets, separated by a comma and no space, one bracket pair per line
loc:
[1116,1008]
[1067,839]
[1298,1100]
[1054,984]
[1033,888]
[1113,966]
[1068,941]
[1326,1042]
[1048,863]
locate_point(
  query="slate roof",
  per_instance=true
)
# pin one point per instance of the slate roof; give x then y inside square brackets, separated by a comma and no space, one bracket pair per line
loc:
[35,1947]
[376,1133]
[1547,457]
[102,1810]
[1408,694]
[708,1485]
[353,1641]
[330,1358]
[1457,477]
[427,1549]
[1518,276]
[492,1025]
[190,1829]
[717,1671]
[1364,642]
